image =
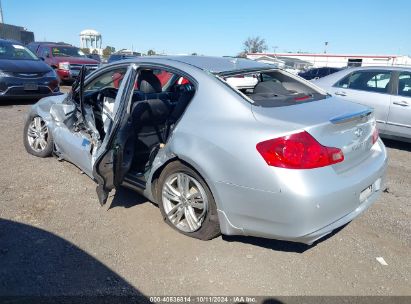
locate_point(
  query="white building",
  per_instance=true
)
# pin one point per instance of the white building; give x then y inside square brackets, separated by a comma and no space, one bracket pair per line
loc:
[340,60]
[91,39]
[270,60]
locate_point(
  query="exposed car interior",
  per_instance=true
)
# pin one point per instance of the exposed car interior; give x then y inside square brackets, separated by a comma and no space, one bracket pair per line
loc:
[276,89]
[155,111]
[159,100]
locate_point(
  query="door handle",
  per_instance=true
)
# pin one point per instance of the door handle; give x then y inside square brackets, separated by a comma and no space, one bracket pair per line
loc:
[340,93]
[402,103]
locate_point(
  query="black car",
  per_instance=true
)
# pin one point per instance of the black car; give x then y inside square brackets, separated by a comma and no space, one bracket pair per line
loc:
[23,75]
[318,73]
[94,56]
[116,57]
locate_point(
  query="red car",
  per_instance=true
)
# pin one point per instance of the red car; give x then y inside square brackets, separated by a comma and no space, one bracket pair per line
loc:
[67,60]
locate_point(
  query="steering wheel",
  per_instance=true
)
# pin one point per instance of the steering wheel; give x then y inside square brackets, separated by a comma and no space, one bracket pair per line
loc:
[107,92]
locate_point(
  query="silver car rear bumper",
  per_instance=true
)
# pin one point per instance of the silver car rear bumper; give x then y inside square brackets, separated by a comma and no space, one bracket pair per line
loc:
[306,208]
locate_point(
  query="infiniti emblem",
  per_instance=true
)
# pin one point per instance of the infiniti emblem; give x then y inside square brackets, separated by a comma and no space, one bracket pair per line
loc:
[358,132]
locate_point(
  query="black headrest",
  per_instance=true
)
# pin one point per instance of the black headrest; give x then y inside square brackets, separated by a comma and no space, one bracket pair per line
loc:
[152,111]
[148,82]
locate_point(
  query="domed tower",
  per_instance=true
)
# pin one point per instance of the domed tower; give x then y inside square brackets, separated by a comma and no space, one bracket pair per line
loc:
[92,40]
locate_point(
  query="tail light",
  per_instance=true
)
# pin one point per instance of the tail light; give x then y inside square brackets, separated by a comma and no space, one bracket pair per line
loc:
[298,151]
[302,98]
[375,135]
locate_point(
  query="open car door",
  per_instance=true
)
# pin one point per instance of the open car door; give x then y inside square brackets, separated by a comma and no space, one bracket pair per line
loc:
[115,154]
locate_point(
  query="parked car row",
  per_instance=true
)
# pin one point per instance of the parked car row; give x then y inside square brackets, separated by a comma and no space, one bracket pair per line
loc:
[36,70]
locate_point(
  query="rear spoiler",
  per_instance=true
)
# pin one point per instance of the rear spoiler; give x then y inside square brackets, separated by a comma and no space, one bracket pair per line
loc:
[351,116]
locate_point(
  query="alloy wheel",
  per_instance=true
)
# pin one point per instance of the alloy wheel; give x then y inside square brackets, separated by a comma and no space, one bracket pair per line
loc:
[185,201]
[37,134]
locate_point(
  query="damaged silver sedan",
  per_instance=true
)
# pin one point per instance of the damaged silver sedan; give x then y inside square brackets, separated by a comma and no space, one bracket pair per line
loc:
[275,157]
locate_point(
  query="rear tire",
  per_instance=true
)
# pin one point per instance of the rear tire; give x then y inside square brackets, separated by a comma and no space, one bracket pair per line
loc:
[186,202]
[37,137]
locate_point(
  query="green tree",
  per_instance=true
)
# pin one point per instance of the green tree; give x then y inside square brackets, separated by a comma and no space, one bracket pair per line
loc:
[85,51]
[108,51]
[151,53]
[255,45]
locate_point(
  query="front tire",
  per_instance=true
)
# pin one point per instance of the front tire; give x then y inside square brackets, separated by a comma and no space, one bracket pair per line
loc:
[186,202]
[37,137]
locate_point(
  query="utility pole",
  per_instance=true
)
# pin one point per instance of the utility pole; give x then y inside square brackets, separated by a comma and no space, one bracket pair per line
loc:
[325,47]
[275,50]
[1,13]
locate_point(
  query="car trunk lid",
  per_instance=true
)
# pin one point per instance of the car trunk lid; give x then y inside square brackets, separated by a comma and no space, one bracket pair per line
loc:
[333,123]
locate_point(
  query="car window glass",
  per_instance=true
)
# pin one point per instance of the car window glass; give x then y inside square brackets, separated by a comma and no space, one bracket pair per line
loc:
[15,51]
[379,81]
[345,82]
[63,51]
[45,52]
[111,79]
[271,77]
[371,81]
[169,81]
[404,84]
[164,77]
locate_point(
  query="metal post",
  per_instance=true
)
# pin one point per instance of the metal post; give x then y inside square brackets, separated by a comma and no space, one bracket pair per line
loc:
[1,13]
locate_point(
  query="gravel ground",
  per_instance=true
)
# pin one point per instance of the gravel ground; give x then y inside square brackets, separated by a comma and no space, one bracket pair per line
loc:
[55,239]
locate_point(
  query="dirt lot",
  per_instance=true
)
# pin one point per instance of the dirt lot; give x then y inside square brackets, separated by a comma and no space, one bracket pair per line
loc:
[55,239]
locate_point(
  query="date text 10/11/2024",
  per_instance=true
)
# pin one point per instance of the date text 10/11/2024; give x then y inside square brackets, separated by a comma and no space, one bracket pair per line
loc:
[203,299]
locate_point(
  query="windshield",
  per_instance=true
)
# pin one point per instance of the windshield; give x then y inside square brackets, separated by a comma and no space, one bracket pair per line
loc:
[64,51]
[13,51]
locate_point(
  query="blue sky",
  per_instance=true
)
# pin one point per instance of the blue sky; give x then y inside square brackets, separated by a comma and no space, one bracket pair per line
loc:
[220,27]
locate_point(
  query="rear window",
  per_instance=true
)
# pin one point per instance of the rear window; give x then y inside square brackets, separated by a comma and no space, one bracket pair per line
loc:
[273,88]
